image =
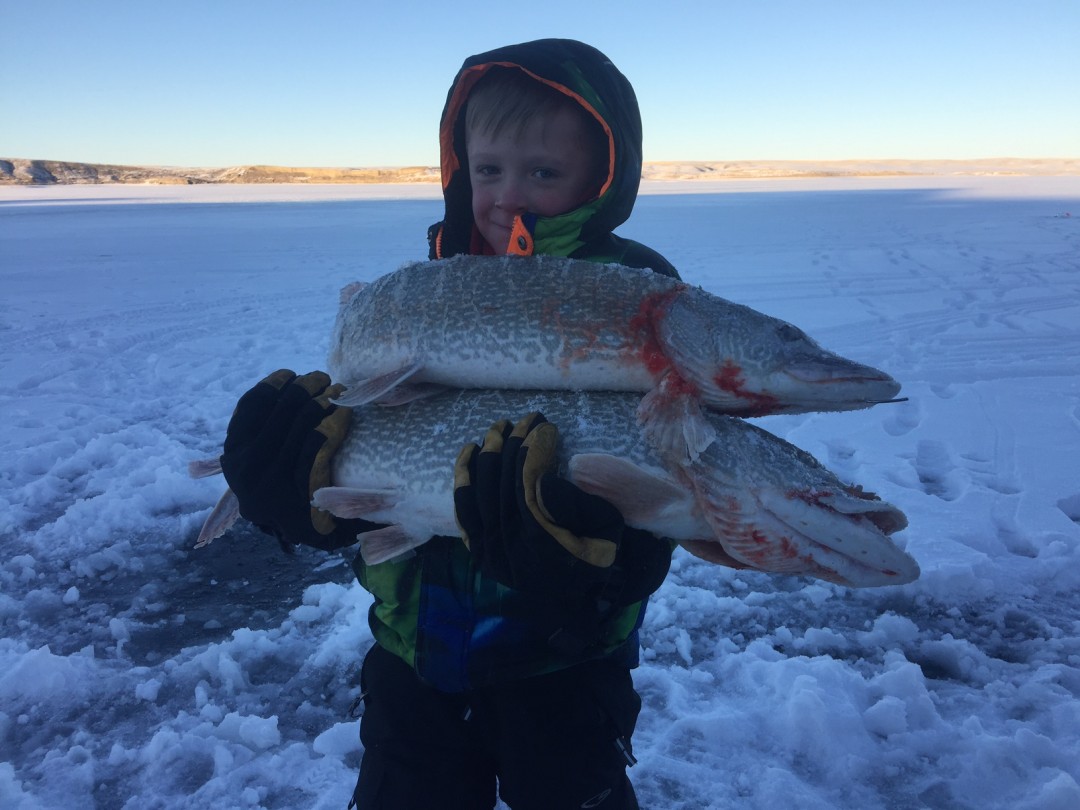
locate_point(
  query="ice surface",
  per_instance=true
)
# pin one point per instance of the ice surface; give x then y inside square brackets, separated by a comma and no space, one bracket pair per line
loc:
[138,673]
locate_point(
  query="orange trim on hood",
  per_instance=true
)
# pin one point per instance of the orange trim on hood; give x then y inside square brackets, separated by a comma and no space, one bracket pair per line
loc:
[449,162]
[438,243]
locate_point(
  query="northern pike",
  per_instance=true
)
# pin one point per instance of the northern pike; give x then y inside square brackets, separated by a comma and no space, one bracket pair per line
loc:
[749,500]
[553,323]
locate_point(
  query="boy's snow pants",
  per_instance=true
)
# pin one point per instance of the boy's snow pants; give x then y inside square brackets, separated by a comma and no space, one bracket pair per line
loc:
[550,742]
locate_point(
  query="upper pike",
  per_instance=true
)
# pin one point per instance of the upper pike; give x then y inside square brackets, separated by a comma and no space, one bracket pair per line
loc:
[644,329]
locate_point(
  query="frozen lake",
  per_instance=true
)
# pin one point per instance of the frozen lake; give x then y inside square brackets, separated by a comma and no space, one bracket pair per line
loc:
[138,673]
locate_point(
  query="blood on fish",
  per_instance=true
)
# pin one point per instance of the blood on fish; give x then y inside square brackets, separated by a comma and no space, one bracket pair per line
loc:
[578,341]
[730,379]
[674,384]
[652,309]
[787,549]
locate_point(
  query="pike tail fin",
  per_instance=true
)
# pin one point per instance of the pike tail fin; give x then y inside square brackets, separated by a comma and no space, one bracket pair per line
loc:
[204,467]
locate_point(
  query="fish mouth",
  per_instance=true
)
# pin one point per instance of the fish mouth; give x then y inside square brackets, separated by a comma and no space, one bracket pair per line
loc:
[857,385]
[801,391]
[838,536]
[798,386]
[839,373]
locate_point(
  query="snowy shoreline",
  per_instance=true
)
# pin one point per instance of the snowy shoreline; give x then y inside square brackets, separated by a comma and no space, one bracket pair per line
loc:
[129,193]
[138,673]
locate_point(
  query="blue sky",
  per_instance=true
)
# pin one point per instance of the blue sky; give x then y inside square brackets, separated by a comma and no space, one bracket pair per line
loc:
[338,83]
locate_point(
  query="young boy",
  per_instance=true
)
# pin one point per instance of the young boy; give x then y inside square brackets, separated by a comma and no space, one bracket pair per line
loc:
[504,659]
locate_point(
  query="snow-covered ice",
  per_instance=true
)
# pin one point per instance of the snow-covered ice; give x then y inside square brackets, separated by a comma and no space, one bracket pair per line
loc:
[138,673]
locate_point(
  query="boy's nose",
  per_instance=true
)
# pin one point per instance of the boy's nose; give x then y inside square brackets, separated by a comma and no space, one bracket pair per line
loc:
[511,197]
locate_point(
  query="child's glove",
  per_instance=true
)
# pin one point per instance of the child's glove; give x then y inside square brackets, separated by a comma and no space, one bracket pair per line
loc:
[278,450]
[534,531]
[523,524]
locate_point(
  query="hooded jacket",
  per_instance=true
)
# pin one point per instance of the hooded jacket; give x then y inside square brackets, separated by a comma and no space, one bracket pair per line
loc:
[585,75]
[457,628]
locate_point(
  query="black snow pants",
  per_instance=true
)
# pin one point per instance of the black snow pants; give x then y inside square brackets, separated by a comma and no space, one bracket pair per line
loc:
[550,742]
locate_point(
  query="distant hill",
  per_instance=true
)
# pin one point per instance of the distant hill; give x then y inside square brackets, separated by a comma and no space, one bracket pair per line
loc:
[17,171]
[22,171]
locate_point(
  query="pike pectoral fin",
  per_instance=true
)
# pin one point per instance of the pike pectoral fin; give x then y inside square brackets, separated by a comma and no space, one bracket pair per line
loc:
[349,502]
[388,543]
[410,392]
[376,388]
[647,499]
[674,423]
[221,518]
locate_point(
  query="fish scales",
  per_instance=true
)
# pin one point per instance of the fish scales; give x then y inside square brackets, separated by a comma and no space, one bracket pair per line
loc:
[730,492]
[496,322]
[769,505]
[563,324]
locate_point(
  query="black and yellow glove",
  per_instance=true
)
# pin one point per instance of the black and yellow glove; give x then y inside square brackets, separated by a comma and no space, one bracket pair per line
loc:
[536,532]
[524,525]
[278,450]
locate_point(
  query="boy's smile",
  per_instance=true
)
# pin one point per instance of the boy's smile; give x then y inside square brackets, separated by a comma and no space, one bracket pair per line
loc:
[544,168]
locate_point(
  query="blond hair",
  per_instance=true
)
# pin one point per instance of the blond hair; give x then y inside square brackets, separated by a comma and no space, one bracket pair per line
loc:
[509,100]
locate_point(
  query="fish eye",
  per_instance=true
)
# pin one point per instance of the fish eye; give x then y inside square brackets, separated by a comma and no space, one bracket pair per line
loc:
[789,333]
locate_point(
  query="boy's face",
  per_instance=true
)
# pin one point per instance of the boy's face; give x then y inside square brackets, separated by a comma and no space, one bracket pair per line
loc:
[546,169]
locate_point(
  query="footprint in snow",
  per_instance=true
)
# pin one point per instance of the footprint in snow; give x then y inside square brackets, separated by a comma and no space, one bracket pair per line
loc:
[843,456]
[937,470]
[1071,507]
[1009,532]
[943,390]
[903,418]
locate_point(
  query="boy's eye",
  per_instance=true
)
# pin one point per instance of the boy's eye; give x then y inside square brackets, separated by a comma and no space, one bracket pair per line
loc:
[486,171]
[545,174]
